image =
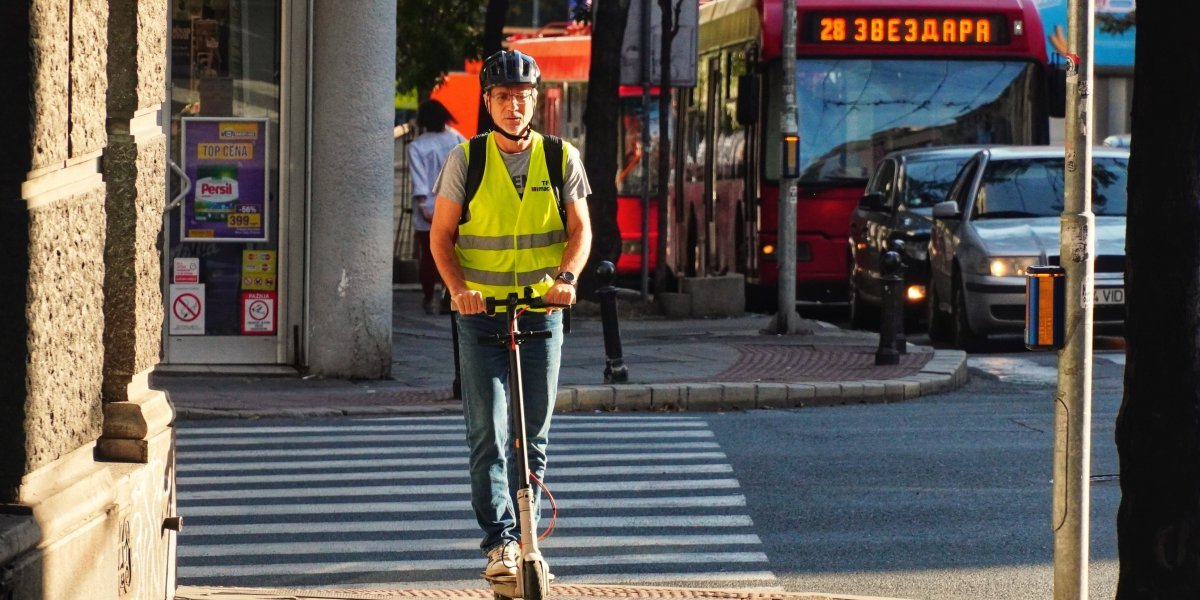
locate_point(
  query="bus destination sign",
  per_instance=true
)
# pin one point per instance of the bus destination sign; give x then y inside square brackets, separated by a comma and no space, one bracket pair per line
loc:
[905,29]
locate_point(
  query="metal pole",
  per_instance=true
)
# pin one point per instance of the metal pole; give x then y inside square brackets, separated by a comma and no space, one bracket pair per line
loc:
[786,319]
[1077,247]
[645,179]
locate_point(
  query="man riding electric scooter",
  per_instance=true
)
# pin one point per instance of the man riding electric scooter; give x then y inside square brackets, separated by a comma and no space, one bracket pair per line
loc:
[511,214]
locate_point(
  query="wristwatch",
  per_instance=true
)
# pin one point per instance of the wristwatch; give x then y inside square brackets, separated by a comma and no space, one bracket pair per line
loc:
[566,277]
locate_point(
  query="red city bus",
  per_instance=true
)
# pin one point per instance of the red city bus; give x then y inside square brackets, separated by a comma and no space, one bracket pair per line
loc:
[565,61]
[871,76]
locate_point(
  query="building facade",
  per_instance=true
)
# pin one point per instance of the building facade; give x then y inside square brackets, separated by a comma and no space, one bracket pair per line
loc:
[183,182]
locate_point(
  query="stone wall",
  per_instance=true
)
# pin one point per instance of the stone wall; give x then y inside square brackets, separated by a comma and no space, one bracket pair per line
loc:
[86,447]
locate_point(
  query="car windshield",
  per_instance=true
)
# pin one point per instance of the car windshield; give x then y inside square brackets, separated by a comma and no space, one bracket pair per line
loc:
[1033,187]
[926,181]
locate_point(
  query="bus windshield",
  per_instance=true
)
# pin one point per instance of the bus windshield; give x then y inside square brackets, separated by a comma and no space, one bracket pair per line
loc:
[853,111]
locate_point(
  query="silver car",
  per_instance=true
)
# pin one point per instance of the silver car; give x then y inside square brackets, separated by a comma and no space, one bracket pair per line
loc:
[1001,216]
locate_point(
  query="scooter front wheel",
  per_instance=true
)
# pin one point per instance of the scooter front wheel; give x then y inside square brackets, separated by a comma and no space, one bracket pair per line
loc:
[536,579]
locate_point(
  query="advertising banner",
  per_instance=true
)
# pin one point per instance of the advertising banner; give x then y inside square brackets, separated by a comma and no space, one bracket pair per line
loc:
[226,160]
[1113,38]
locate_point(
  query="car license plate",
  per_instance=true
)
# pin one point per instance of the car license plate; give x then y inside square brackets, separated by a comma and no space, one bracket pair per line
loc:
[1109,296]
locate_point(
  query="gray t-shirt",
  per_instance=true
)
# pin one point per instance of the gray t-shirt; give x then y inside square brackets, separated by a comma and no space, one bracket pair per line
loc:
[453,178]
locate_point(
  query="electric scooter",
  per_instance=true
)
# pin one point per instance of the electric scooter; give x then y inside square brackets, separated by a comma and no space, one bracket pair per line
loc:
[532,581]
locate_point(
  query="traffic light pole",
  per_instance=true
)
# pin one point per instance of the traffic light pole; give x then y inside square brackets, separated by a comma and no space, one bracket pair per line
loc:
[786,320]
[1077,249]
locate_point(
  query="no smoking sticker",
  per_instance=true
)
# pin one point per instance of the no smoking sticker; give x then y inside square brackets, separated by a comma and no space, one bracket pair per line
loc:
[186,309]
[258,313]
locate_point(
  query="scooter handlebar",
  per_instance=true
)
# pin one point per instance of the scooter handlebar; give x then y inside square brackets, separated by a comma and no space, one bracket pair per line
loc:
[513,302]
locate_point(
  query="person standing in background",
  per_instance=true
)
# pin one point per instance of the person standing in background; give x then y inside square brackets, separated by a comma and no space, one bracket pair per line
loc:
[426,155]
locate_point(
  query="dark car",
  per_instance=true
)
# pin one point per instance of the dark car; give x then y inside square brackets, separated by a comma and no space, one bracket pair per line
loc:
[1002,216]
[895,214]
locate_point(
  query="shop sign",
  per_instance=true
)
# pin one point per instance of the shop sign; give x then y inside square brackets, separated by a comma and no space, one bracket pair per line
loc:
[186,310]
[258,313]
[258,270]
[226,160]
[187,270]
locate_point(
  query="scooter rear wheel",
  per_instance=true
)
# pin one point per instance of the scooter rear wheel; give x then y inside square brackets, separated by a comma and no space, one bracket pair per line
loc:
[536,579]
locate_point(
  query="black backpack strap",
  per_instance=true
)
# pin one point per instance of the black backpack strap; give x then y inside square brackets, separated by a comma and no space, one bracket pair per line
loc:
[476,160]
[553,147]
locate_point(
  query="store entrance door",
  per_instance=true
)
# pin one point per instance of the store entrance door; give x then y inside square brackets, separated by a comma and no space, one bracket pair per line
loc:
[226,288]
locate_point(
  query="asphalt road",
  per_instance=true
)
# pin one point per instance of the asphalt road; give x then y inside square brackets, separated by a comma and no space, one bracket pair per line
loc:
[945,497]
[942,497]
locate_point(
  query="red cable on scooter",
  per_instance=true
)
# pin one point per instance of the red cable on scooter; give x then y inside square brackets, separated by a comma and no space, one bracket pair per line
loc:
[512,340]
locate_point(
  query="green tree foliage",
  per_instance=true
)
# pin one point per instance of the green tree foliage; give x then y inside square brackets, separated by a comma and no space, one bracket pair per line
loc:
[433,37]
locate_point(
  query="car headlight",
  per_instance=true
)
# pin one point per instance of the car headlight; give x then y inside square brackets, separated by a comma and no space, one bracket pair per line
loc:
[1007,266]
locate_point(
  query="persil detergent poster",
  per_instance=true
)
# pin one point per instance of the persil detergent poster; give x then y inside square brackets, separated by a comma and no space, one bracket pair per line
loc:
[226,160]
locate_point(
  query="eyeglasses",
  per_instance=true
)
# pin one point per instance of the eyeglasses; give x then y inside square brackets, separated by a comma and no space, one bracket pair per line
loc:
[521,97]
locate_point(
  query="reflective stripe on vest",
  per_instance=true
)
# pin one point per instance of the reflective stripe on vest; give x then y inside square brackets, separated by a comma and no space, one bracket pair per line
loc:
[511,241]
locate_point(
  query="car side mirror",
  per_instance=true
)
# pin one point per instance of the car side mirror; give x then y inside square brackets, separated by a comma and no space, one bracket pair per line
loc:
[872,201]
[946,210]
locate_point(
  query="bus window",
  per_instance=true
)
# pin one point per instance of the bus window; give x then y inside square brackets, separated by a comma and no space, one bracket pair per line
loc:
[630,177]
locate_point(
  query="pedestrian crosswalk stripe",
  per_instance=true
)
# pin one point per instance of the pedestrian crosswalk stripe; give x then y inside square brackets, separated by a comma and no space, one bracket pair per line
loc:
[447,449]
[377,566]
[560,473]
[561,423]
[463,489]
[428,462]
[442,545]
[360,502]
[242,440]
[452,505]
[565,523]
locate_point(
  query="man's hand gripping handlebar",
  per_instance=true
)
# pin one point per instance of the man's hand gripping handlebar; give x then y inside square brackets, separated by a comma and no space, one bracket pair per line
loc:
[561,295]
[515,305]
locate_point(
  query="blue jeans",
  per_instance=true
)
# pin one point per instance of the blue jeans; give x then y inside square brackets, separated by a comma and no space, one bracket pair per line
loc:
[483,379]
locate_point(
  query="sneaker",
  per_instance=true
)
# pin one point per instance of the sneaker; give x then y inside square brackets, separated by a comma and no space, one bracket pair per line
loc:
[428,306]
[502,560]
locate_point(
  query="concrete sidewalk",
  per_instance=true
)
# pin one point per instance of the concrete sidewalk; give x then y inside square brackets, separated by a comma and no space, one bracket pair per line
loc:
[673,365]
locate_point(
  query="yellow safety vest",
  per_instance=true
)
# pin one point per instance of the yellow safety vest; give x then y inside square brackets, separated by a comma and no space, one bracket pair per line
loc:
[512,241]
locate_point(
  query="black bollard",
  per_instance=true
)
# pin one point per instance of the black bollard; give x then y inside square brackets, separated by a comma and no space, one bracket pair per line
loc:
[892,309]
[614,364]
